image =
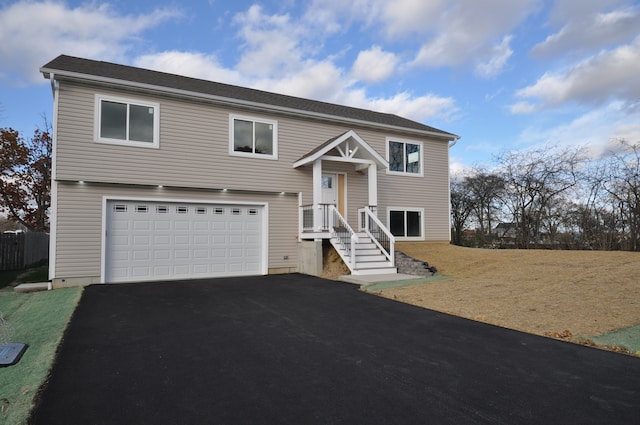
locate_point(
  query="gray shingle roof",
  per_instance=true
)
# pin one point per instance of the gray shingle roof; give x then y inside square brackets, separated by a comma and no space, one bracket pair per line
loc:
[79,66]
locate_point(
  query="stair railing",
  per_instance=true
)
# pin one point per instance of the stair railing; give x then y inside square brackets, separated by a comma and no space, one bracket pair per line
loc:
[378,233]
[340,229]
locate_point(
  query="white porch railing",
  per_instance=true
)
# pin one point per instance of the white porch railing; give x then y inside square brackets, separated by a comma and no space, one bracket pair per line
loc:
[316,218]
[379,234]
[341,230]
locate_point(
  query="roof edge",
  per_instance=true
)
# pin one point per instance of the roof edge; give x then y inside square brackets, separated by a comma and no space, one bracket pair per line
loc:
[46,71]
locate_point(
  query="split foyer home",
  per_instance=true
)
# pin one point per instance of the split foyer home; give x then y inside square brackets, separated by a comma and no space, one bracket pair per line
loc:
[158,176]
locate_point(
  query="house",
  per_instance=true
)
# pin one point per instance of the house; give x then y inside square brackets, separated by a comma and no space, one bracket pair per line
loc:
[505,233]
[159,176]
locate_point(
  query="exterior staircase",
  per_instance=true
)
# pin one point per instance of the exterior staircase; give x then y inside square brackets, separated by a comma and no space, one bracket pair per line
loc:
[369,258]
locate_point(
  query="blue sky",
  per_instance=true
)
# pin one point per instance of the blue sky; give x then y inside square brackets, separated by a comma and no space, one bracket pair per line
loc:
[503,74]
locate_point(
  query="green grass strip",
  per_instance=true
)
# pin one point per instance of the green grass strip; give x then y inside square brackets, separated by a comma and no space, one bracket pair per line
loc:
[398,283]
[628,338]
[39,320]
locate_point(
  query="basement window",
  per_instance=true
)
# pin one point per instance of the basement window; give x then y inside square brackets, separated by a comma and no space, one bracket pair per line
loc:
[406,223]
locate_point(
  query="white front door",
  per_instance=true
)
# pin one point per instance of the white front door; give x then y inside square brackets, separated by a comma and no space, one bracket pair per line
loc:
[329,189]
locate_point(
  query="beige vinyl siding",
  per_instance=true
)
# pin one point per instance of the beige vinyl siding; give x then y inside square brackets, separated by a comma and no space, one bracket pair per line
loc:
[194,153]
[430,192]
[79,229]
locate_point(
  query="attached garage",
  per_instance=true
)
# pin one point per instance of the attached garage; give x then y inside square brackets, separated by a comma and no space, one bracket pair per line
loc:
[153,240]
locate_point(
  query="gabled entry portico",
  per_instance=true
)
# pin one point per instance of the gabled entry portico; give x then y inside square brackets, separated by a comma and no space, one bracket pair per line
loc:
[348,147]
[370,248]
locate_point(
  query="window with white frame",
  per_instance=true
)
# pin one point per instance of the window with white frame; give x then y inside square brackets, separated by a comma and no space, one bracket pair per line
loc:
[253,137]
[404,157]
[128,122]
[406,223]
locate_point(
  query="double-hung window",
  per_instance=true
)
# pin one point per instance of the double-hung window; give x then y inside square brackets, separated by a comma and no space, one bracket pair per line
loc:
[404,157]
[127,122]
[406,223]
[254,137]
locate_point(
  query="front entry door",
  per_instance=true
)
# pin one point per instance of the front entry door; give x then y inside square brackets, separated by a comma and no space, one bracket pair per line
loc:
[333,191]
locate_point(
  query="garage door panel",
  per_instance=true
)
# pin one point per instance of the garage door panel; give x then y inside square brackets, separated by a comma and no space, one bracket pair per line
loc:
[201,226]
[161,254]
[139,225]
[201,240]
[120,240]
[141,255]
[141,240]
[182,226]
[161,271]
[152,240]
[199,254]
[162,225]
[161,240]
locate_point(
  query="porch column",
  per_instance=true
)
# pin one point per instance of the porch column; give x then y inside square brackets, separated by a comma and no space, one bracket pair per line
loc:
[317,194]
[372,174]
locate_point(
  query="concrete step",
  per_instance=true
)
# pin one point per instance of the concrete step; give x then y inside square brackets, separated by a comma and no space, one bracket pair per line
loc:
[380,271]
[23,288]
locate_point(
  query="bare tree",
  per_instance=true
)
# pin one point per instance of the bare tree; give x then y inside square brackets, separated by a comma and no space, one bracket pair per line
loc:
[623,186]
[461,208]
[485,189]
[534,183]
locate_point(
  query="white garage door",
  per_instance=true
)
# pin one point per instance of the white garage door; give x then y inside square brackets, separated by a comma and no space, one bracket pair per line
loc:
[156,240]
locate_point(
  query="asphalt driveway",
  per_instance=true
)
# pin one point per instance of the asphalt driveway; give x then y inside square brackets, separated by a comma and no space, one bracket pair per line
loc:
[295,349]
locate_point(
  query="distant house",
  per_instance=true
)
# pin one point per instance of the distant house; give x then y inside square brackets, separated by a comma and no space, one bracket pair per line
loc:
[158,176]
[505,233]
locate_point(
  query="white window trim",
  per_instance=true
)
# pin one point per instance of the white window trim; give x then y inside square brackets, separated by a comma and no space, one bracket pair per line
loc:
[405,209]
[129,101]
[405,141]
[232,152]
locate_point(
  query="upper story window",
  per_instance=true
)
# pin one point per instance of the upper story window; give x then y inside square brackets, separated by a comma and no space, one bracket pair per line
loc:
[404,157]
[253,137]
[127,122]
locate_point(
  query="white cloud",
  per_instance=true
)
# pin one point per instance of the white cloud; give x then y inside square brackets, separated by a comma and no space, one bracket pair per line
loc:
[374,65]
[271,43]
[495,65]
[466,31]
[320,80]
[279,56]
[593,130]
[448,32]
[192,64]
[608,75]
[585,26]
[33,33]
[420,108]
[519,108]
[403,17]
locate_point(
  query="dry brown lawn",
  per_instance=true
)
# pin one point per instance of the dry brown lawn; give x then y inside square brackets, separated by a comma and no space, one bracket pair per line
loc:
[543,292]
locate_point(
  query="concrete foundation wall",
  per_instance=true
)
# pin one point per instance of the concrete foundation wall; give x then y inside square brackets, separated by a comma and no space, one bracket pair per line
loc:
[310,257]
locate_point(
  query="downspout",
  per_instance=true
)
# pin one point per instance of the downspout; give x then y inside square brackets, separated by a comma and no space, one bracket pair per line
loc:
[451,144]
[52,80]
